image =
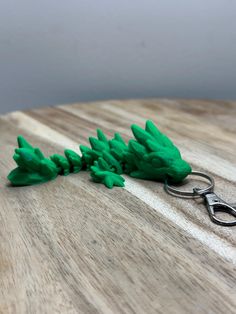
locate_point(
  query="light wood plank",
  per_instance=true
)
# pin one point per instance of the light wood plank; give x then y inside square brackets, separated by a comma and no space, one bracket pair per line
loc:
[73,246]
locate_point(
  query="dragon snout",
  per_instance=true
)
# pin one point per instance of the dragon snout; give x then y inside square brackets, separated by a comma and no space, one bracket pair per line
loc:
[178,170]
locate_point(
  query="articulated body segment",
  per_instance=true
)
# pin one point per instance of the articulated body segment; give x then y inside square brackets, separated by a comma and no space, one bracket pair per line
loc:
[151,155]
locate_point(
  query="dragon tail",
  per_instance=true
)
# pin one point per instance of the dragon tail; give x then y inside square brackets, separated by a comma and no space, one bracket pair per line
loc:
[33,167]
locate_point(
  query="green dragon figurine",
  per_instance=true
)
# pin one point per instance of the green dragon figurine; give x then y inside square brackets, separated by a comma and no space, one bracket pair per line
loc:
[151,156]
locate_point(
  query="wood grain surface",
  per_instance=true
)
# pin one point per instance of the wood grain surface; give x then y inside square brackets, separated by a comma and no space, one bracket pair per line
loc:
[74,246]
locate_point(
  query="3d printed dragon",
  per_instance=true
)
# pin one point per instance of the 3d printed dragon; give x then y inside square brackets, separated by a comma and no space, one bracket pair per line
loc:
[151,155]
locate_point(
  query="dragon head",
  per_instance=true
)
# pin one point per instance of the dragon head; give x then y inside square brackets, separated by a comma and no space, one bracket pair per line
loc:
[155,157]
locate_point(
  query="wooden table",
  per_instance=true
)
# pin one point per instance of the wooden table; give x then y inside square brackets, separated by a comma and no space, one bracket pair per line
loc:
[74,246]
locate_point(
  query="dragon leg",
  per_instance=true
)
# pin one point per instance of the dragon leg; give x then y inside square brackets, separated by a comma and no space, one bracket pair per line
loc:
[103,172]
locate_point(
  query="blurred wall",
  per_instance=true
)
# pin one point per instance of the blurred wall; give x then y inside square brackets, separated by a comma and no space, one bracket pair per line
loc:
[57,51]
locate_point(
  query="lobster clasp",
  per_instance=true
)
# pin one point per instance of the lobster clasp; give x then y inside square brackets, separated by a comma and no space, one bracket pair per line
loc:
[215,204]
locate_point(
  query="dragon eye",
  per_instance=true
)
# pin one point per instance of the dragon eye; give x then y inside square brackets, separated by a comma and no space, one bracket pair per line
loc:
[27,156]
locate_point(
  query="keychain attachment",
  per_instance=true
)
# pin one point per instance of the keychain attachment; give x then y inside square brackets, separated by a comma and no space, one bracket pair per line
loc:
[214,203]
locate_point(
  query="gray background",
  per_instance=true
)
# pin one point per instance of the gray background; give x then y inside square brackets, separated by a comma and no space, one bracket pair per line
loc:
[60,51]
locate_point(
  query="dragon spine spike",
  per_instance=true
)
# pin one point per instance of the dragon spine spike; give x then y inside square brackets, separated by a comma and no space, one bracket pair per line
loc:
[101,136]
[22,143]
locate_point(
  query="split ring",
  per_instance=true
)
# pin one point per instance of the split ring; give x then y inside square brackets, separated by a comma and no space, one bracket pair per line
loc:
[196,192]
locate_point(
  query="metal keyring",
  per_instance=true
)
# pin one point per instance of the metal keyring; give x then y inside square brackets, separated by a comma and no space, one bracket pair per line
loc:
[196,192]
[213,202]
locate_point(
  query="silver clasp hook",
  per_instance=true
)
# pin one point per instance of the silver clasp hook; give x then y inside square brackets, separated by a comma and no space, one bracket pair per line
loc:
[215,204]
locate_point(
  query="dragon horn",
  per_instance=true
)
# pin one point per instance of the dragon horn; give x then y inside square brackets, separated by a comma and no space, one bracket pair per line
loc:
[141,135]
[153,130]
